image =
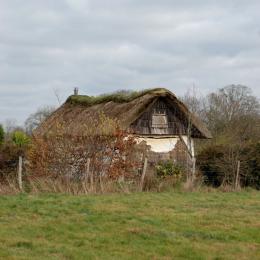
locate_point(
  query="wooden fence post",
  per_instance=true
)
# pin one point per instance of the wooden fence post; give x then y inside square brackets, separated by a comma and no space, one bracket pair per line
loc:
[90,175]
[193,168]
[87,169]
[20,168]
[143,174]
[86,176]
[237,175]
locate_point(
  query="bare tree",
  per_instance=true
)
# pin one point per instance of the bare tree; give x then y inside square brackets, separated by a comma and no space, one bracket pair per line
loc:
[194,101]
[57,95]
[10,125]
[37,118]
[228,105]
[233,116]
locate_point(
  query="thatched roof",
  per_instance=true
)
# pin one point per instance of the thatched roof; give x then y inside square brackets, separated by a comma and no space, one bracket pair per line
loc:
[126,107]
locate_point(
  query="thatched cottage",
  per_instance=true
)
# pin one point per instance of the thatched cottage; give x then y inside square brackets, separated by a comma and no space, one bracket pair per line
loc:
[154,116]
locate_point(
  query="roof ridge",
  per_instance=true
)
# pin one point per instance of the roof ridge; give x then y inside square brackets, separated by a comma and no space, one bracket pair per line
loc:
[120,96]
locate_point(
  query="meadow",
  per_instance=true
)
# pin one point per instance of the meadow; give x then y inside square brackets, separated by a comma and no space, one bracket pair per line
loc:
[167,225]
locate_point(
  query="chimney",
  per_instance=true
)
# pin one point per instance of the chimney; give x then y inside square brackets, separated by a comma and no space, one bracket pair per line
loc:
[76,91]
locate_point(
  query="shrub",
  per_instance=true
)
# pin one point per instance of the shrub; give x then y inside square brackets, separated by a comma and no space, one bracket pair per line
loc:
[8,160]
[207,163]
[20,139]
[168,168]
[2,135]
[96,157]
[218,164]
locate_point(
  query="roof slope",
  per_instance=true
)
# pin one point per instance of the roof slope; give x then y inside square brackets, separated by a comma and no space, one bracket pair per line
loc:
[126,107]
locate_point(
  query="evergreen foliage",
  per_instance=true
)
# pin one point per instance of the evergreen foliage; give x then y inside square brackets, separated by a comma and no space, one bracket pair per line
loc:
[20,139]
[168,168]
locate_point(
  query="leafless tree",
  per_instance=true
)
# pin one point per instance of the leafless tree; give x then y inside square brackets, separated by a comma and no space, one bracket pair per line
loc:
[229,105]
[233,116]
[57,95]
[37,118]
[10,125]
[194,100]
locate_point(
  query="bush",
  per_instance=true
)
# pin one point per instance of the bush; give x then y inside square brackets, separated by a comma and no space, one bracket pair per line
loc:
[96,158]
[218,164]
[168,168]
[251,175]
[207,163]
[20,139]
[2,135]
[8,161]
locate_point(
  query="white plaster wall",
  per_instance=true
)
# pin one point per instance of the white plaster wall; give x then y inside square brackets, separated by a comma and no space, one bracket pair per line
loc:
[159,145]
[185,139]
[164,145]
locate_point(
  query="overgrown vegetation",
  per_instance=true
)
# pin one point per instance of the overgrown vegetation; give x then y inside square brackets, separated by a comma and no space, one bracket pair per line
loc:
[215,161]
[137,226]
[118,97]
[35,119]
[2,135]
[20,139]
[165,169]
[102,155]
[232,157]
[16,143]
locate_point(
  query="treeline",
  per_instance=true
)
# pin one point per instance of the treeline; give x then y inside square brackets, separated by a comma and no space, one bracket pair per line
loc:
[232,156]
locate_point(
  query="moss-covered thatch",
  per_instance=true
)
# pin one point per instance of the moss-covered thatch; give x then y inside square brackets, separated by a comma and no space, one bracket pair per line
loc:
[124,106]
[121,96]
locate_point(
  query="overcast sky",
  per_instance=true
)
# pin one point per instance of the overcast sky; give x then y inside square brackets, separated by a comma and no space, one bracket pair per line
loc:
[49,46]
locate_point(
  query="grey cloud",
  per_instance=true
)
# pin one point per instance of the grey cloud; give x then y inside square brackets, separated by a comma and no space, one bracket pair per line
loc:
[102,46]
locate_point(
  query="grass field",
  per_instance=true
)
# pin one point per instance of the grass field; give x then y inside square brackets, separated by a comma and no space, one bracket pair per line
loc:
[135,226]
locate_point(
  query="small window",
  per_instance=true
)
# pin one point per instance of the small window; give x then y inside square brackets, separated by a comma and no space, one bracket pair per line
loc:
[159,121]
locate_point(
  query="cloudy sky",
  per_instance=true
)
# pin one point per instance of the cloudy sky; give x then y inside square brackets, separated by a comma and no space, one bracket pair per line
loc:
[49,47]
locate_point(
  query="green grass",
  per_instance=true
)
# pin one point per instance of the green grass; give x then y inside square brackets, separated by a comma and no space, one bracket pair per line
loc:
[136,226]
